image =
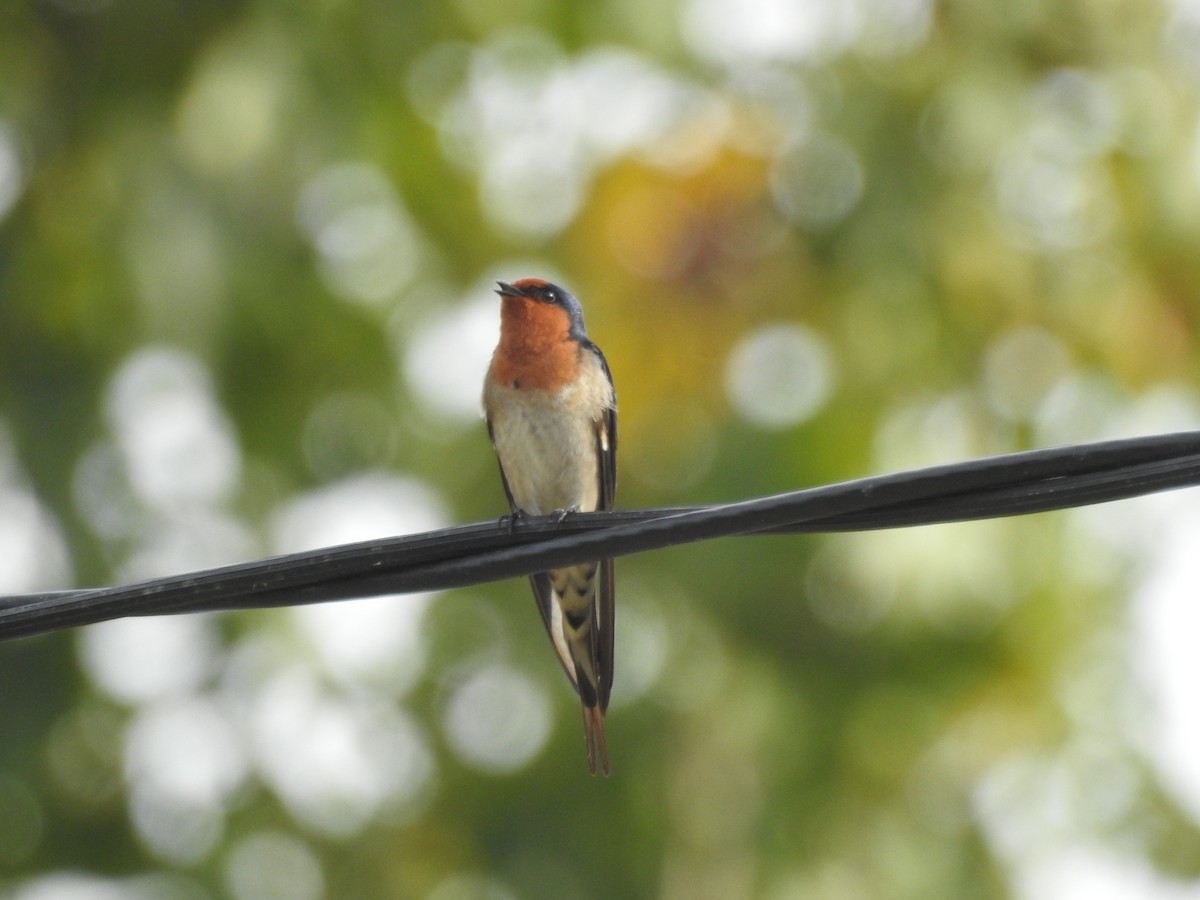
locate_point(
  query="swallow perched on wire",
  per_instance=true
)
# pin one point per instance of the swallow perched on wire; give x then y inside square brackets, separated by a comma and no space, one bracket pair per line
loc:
[552,417]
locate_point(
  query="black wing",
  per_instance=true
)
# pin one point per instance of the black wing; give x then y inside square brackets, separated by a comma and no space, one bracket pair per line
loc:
[605,607]
[503,478]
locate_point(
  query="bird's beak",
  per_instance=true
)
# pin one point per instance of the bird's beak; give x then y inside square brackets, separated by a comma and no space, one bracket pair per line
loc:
[507,290]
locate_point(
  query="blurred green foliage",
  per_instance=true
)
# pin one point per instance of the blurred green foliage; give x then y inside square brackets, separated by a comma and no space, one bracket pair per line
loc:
[245,259]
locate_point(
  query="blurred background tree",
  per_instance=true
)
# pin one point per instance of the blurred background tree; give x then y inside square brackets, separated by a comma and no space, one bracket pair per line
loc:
[246,254]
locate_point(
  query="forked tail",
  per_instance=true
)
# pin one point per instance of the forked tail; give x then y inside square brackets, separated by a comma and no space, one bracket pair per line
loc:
[597,744]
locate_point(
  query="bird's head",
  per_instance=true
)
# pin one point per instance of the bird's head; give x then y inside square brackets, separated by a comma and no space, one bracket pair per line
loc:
[539,300]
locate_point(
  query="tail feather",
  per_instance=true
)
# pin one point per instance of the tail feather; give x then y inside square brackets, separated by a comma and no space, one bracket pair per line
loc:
[597,744]
[567,599]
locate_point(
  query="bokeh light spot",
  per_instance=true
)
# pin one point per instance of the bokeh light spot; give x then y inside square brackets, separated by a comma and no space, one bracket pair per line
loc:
[497,719]
[187,751]
[644,638]
[436,76]
[140,659]
[531,193]
[448,355]
[1075,114]
[174,830]
[375,636]
[199,539]
[626,102]
[100,488]
[270,865]
[733,32]
[779,375]
[1051,201]
[950,578]
[33,553]
[536,126]
[1020,369]
[368,247]
[937,430]
[177,442]
[1165,619]
[338,761]
[818,182]
[1079,407]
[378,638]
[12,179]
[76,886]
[358,508]
[230,113]
[893,27]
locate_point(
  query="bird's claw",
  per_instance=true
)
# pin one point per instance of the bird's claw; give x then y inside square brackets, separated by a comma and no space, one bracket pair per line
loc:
[560,515]
[510,522]
[519,517]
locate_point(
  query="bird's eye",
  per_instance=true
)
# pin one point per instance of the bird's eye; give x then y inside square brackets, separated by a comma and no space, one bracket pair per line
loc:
[551,295]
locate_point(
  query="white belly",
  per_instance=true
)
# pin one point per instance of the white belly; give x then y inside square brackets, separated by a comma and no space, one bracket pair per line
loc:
[547,448]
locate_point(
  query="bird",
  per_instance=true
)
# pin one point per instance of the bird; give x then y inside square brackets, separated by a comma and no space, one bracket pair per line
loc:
[551,412]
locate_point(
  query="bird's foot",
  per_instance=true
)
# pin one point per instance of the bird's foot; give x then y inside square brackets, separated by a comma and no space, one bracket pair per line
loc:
[560,515]
[510,522]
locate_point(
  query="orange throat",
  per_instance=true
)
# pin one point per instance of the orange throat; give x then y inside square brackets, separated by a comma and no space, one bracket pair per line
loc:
[536,350]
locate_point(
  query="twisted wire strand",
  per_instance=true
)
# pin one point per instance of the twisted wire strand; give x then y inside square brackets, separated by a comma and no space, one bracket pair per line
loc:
[991,487]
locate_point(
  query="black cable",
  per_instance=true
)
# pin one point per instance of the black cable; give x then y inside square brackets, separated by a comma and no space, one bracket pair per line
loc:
[1012,484]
